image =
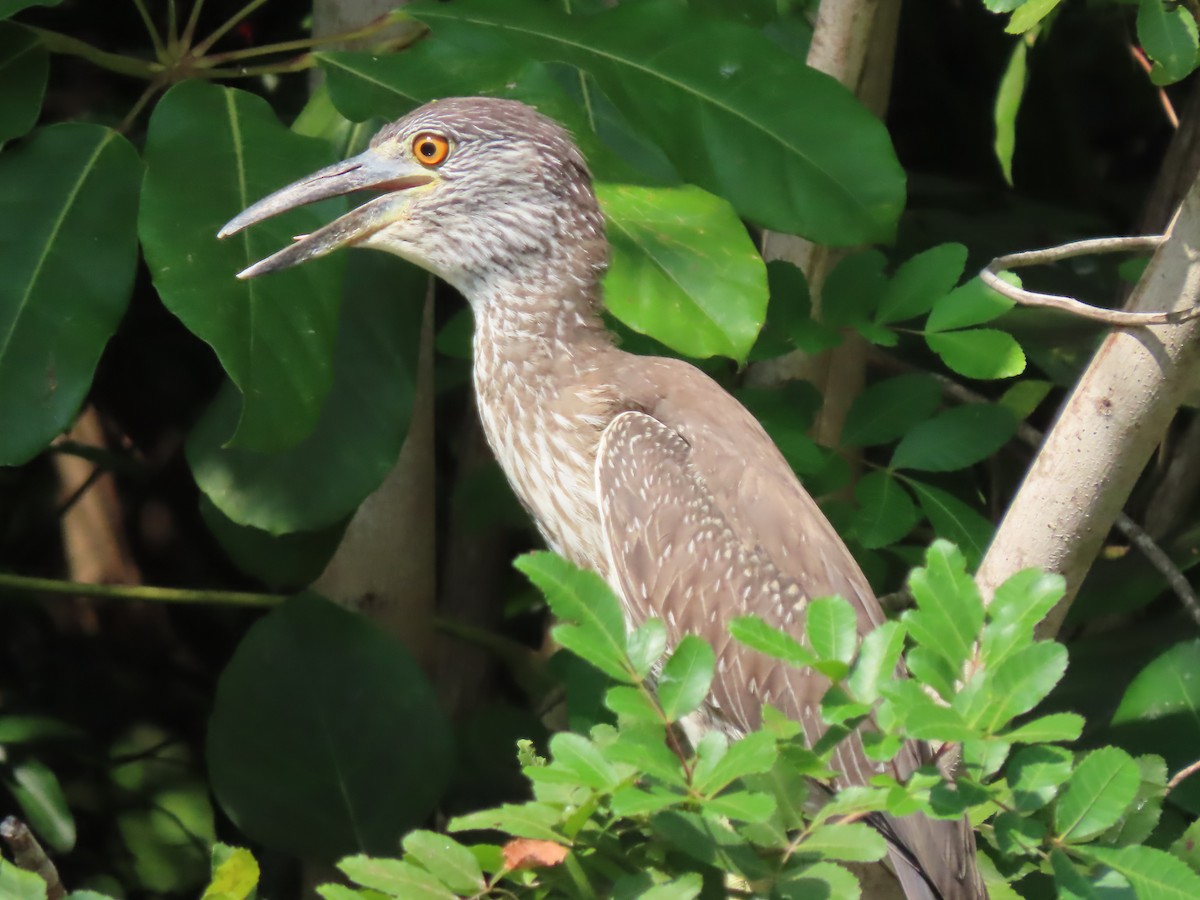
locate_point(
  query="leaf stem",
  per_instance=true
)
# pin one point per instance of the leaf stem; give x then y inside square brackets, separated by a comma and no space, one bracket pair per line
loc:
[155,39]
[114,62]
[12,583]
[310,43]
[189,30]
[229,24]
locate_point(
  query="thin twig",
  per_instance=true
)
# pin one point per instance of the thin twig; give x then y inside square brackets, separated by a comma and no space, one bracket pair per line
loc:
[1155,555]
[189,30]
[1182,775]
[230,23]
[1116,317]
[29,855]
[1168,107]
[134,111]
[150,29]
[11,583]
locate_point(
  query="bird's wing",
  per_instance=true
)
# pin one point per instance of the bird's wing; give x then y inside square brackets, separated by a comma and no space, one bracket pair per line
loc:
[705,521]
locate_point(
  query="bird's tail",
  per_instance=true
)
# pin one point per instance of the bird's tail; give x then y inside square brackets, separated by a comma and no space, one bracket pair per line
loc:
[934,859]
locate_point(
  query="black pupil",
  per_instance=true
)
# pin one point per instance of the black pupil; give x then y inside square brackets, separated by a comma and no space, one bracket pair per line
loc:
[429,149]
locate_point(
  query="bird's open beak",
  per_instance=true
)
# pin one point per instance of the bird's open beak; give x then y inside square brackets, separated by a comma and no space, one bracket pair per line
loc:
[369,171]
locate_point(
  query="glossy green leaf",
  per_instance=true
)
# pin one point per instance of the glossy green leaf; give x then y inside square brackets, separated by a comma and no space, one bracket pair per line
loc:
[396,878]
[974,303]
[684,270]
[1141,817]
[983,353]
[1008,104]
[685,887]
[685,678]
[1029,14]
[824,880]
[42,801]
[452,863]
[24,64]
[68,250]
[633,704]
[1035,775]
[890,409]
[954,520]
[1167,32]
[17,884]
[1047,729]
[852,290]
[646,644]
[825,170]
[920,282]
[877,660]
[774,642]
[886,512]
[210,153]
[832,629]
[593,625]
[741,806]
[369,750]
[530,820]
[1019,604]
[1015,686]
[949,610]
[1187,846]
[1097,793]
[925,718]
[583,761]
[1160,713]
[1072,884]
[361,427]
[850,842]
[955,439]
[1022,398]
[1153,874]
[751,755]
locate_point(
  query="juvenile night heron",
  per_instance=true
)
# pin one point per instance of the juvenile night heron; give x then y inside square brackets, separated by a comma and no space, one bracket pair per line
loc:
[643,470]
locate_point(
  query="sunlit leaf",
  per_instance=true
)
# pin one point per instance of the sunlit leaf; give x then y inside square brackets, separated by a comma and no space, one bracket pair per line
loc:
[955,439]
[1097,793]
[685,678]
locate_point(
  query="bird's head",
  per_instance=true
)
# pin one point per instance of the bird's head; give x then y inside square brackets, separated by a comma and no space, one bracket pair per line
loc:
[473,189]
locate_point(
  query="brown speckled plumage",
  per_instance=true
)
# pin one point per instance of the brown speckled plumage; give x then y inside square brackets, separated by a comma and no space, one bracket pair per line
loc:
[641,469]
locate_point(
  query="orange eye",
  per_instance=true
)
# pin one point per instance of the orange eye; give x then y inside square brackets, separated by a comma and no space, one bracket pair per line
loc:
[430,149]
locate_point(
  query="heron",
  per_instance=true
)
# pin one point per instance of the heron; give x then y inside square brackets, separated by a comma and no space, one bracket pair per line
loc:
[641,469]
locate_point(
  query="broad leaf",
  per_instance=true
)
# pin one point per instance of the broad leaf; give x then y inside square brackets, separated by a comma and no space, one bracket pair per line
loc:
[235,874]
[920,282]
[210,153]
[826,169]
[1153,874]
[369,751]
[1019,604]
[594,626]
[774,642]
[886,512]
[645,645]
[396,878]
[1035,775]
[453,864]
[685,679]
[851,842]
[1097,794]
[1168,34]
[1047,729]
[877,660]
[44,806]
[684,270]
[68,248]
[1014,687]
[17,884]
[949,610]
[531,820]
[753,754]
[1008,104]
[583,761]
[832,629]
[955,439]
[361,426]
[954,520]
[889,409]
[971,304]
[983,353]
[24,64]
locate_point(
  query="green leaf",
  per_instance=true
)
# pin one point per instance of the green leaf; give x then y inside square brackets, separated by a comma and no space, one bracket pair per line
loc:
[1072,884]
[685,887]
[361,427]
[1024,397]
[1153,874]
[820,881]
[40,796]
[67,249]
[774,642]
[925,718]
[448,860]
[684,270]
[955,520]
[752,755]
[1008,104]
[849,842]
[1019,604]
[685,678]
[949,610]
[974,303]
[920,282]
[210,153]
[787,413]
[890,409]
[594,626]
[743,806]
[1047,729]
[12,7]
[632,703]
[396,878]
[646,645]
[369,750]
[826,170]
[832,629]
[1029,14]
[853,288]
[24,64]
[17,884]
[1167,32]
[1097,794]
[1018,836]
[29,728]
[1014,687]
[982,353]
[530,820]
[1142,816]
[1160,713]
[1187,846]
[877,660]
[1035,775]
[644,745]
[955,439]
[886,512]
[583,761]
[234,875]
